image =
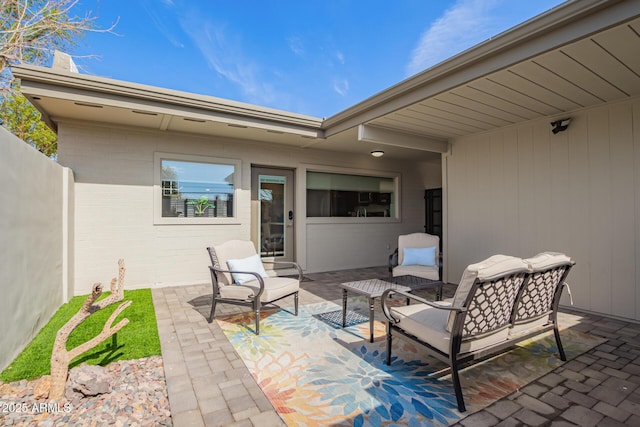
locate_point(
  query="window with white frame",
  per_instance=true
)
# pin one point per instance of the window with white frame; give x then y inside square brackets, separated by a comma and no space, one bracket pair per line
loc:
[195,187]
[349,195]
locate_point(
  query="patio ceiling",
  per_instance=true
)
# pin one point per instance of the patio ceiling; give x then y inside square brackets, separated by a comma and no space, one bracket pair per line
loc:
[577,55]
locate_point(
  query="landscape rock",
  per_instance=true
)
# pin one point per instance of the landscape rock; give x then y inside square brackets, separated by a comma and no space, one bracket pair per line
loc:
[138,397]
[90,380]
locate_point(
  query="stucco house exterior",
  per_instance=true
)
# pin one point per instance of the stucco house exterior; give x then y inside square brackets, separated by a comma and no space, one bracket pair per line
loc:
[476,125]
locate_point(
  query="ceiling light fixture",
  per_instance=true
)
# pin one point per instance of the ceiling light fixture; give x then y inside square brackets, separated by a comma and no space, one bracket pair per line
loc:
[377,153]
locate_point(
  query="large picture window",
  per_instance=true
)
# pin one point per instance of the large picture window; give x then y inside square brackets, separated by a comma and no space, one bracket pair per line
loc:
[192,187]
[346,195]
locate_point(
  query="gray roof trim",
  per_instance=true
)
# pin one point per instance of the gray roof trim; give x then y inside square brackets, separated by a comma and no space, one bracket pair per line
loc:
[81,83]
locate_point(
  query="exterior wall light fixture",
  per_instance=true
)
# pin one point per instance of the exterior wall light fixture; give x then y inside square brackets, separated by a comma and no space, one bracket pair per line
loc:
[560,125]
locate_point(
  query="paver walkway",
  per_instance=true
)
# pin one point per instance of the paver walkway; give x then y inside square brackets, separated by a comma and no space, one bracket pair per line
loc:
[209,385]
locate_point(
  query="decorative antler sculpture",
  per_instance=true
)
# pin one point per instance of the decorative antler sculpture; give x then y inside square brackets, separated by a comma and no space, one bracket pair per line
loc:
[61,357]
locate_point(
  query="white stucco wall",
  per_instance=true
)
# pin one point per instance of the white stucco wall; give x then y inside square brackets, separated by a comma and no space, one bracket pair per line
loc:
[33,214]
[522,190]
[113,170]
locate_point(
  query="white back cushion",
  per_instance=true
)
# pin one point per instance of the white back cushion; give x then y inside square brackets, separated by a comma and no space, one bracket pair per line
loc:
[249,264]
[417,240]
[233,249]
[546,260]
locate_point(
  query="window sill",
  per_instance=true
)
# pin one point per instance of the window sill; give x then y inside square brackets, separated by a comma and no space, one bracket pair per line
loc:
[196,221]
[351,220]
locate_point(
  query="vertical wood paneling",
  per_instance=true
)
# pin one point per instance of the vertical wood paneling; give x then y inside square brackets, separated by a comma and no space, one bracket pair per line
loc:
[599,213]
[510,195]
[541,192]
[497,190]
[578,225]
[576,192]
[525,194]
[486,210]
[477,194]
[559,192]
[455,206]
[622,211]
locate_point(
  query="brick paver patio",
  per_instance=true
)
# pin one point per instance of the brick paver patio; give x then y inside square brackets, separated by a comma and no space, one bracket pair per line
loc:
[209,385]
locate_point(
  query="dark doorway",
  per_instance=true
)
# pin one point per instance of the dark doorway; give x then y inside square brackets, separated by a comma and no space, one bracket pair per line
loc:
[433,212]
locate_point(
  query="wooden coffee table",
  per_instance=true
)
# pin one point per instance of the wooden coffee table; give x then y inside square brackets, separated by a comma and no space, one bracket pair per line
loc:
[373,288]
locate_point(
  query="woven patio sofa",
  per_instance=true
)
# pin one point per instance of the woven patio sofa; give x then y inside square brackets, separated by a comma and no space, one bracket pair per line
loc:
[498,303]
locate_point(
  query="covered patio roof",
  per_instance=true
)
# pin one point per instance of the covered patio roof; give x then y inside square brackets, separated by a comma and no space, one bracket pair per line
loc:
[577,55]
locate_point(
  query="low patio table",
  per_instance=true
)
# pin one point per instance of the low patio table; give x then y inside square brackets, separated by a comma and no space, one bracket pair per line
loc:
[374,288]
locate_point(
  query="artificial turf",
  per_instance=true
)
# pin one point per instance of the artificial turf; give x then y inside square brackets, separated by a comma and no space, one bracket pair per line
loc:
[136,340]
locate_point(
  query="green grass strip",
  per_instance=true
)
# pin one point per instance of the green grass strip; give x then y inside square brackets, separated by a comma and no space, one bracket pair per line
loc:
[136,340]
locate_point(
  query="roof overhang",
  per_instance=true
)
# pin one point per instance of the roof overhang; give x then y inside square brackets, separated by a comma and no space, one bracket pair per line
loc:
[61,95]
[577,55]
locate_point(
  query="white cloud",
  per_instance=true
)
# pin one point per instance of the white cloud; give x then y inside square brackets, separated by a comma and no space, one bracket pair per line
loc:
[340,57]
[465,24]
[341,86]
[296,44]
[224,53]
[160,24]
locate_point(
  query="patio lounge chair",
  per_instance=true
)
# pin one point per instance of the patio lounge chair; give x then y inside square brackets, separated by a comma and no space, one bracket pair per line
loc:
[238,277]
[498,303]
[417,255]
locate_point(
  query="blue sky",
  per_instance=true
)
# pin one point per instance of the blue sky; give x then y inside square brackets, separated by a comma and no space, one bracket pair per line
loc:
[310,57]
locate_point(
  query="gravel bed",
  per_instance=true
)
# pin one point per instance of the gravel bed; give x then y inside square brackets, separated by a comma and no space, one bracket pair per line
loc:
[138,397]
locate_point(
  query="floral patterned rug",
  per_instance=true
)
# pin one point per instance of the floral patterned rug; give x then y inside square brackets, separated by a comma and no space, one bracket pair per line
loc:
[318,374]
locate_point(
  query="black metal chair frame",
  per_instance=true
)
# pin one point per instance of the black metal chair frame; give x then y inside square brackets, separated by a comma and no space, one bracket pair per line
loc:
[254,301]
[461,331]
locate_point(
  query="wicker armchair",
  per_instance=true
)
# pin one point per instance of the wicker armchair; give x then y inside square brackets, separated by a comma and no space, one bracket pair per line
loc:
[248,286]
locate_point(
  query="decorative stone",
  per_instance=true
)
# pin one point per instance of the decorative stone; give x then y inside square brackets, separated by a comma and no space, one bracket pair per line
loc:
[138,385]
[90,380]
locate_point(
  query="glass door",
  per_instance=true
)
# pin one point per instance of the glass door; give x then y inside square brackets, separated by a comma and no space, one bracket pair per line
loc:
[273,197]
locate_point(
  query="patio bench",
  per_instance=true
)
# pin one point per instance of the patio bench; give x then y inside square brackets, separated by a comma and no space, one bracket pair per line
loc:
[499,302]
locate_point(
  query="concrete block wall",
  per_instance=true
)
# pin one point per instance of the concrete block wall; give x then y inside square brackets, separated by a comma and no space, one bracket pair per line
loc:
[34,224]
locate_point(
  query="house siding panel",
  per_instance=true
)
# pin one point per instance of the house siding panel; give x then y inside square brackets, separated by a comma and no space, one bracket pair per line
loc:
[576,192]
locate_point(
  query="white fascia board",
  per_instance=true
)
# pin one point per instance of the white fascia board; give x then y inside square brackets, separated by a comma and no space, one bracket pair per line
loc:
[383,136]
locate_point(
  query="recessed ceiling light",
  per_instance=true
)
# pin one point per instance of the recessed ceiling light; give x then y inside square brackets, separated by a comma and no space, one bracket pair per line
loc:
[377,153]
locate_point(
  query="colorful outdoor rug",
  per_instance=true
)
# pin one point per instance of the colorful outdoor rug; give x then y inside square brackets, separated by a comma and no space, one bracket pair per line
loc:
[317,374]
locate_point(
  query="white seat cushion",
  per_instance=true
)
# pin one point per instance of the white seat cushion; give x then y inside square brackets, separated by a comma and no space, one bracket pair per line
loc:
[428,324]
[417,270]
[274,288]
[523,328]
